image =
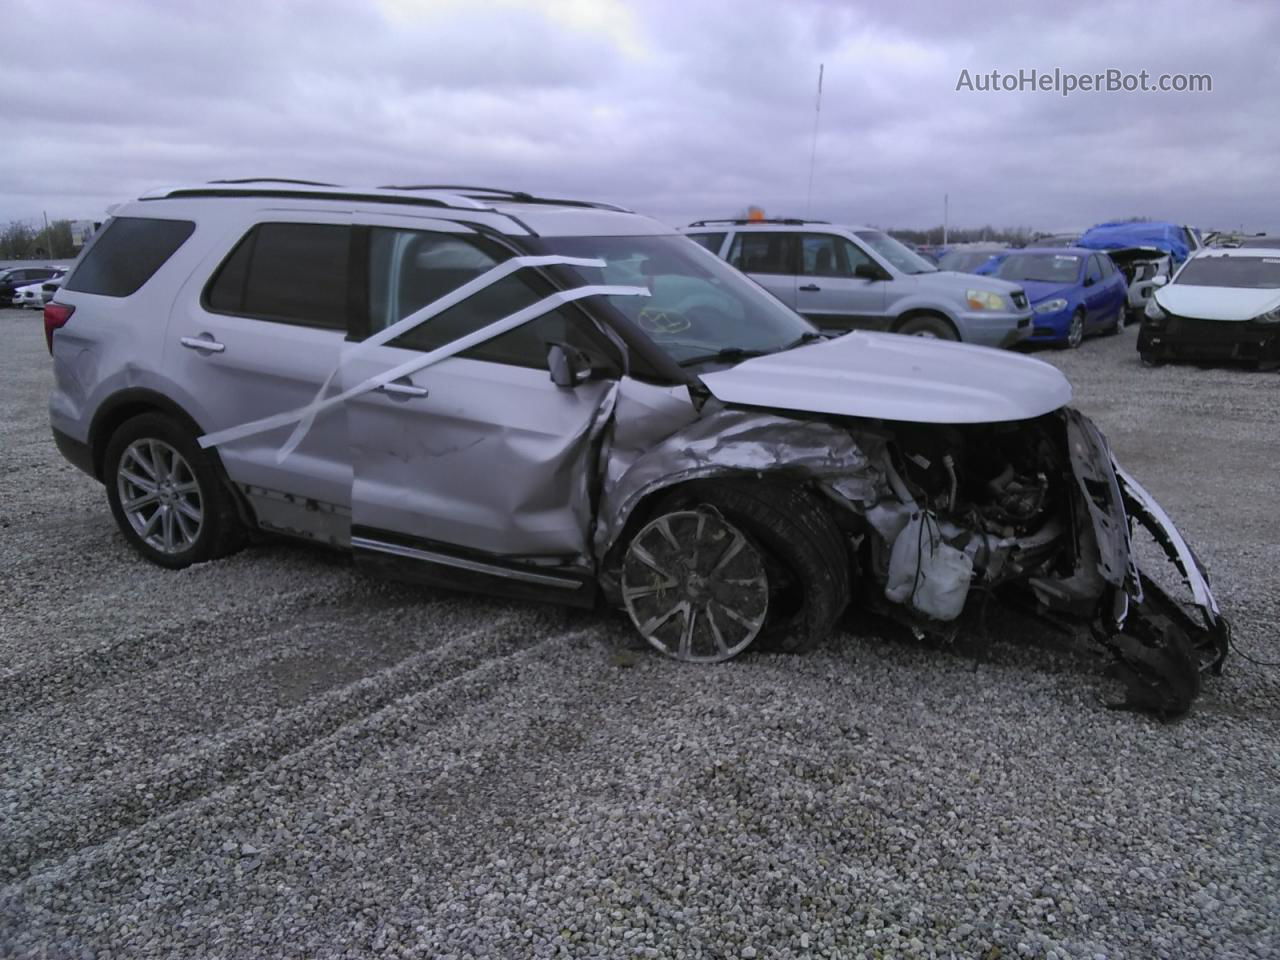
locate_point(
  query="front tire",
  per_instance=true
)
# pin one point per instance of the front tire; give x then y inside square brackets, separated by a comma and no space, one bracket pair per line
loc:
[1075,332]
[166,496]
[932,328]
[723,565]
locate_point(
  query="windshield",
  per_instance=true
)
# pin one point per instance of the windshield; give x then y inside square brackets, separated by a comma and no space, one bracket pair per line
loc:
[1041,267]
[1256,273]
[965,261]
[905,259]
[699,307]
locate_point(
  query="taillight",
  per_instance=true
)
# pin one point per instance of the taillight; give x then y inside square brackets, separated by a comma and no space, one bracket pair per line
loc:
[55,315]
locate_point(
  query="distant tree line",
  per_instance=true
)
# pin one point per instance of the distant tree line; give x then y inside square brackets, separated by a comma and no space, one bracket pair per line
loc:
[19,241]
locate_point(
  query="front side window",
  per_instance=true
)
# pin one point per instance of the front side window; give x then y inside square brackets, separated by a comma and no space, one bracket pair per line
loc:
[409,269]
[902,257]
[763,252]
[698,305]
[127,253]
[1095,270]
[288,273]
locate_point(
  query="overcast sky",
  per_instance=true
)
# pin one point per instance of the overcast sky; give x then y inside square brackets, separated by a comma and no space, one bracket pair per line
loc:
[677,108]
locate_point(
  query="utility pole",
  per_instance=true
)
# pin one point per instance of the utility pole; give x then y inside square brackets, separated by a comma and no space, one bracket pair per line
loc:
[945,204]
[813,154]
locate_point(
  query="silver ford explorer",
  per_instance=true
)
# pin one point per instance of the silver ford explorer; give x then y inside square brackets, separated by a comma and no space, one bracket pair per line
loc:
[860,278]
[561,400]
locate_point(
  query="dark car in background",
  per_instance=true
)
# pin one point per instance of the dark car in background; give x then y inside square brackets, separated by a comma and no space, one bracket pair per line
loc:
[11,278]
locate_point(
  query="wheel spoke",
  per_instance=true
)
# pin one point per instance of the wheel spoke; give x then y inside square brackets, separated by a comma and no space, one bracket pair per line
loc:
[167,525]
[150,525]
[185,509]
[145,500]
[189,487]
[141,461]
[188,533]
[142,483]
[731,551]
[739,619]
[664,528]
[653,623]
[635,593]
[648,559]
[686,637]
[715,629]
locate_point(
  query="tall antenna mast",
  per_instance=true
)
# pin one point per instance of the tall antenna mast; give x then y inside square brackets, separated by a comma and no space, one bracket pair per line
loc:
[813,154]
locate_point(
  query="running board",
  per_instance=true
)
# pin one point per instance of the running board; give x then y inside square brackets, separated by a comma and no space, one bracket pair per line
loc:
[446,569]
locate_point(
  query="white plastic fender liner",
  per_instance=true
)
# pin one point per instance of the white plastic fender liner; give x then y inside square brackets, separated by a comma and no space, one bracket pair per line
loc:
[497,328]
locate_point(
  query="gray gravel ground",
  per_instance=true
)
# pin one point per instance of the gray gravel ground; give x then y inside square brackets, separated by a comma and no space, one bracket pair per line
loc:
[273,756]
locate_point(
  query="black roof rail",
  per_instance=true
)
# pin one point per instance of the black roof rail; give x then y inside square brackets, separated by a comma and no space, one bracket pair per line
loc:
[518,196]
[247,190]
[302,183]
[790,221]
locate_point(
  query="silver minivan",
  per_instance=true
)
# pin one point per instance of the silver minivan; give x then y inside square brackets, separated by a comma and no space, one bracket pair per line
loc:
[859,278]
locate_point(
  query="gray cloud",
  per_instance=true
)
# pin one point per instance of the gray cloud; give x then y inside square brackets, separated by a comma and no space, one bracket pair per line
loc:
[679,109]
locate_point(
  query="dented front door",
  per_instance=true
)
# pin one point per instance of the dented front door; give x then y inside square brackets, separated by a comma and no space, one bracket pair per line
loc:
[475,455]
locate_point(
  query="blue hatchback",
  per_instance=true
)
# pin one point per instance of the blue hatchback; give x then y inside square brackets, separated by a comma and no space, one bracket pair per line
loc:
[1073,291]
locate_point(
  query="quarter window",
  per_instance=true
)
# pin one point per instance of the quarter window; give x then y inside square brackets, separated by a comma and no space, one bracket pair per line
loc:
[127,254]
[712,241]
[289,273]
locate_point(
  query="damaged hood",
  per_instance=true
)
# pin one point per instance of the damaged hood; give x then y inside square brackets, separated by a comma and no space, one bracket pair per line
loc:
[891,377]
[1217,303]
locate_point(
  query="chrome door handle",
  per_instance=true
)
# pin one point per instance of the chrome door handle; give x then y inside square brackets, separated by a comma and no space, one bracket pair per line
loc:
[204,342]
[811,287]
[403,389]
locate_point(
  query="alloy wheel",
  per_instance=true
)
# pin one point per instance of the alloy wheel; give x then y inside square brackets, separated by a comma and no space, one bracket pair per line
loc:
[696,588]
[160,496]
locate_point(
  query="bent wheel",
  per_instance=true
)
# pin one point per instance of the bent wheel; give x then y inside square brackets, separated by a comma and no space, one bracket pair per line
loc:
[695,586]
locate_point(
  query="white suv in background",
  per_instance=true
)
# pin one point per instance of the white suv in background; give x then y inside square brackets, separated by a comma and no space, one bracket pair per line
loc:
[860,278]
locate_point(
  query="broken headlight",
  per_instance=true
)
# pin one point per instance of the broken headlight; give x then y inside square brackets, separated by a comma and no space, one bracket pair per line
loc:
[1153,311]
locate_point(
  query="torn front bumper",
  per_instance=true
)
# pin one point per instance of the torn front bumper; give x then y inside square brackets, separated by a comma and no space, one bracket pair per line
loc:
[1146,627]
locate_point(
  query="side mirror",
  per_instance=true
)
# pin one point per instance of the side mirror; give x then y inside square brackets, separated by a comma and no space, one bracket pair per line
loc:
[868,271]
[1159,281]
[569,366]
[1089,281]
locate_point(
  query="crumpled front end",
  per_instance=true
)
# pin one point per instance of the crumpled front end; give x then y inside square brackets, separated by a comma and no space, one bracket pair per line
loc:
[940,518]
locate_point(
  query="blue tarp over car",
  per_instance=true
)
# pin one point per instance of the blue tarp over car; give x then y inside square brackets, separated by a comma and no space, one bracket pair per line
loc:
[1169,237]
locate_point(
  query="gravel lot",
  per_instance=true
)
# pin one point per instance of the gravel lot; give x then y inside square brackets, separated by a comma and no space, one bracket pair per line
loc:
[273,756]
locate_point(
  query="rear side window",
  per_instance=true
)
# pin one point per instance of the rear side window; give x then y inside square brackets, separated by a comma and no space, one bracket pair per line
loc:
[763,253]
[127,254]
[289,273]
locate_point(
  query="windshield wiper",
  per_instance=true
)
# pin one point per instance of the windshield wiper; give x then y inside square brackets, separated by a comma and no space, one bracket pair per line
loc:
[742,353]
[728,353]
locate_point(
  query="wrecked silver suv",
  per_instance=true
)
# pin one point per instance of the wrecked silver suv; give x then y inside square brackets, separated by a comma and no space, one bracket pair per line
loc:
[567,401]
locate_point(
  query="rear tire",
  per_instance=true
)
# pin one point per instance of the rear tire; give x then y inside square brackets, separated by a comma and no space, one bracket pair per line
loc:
[166,496]
[1117,326]
[933,328]
[797,543]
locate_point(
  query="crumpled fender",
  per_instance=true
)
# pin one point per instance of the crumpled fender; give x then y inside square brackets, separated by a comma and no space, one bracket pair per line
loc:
[726,441]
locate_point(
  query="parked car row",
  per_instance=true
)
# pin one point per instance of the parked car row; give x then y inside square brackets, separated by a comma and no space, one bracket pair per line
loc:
[15,280]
